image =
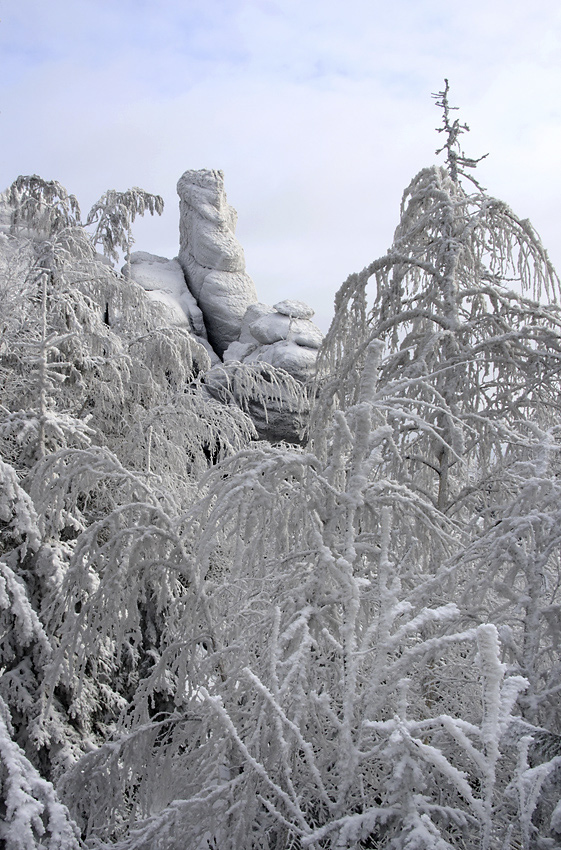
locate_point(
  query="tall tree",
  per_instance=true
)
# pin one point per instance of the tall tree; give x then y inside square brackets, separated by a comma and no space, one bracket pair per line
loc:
[469,353]
[327,690]
[85,367]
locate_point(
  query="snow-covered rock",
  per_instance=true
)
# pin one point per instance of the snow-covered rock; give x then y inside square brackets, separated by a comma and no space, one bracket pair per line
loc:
[276,326]
[276,404]
[154,272]
[270,335]
[298,361]
[252,314]
[212,288]
[305,333]
[211,256]
[238,351]
[270,328]
[294,309]
[164,283]
[174,312]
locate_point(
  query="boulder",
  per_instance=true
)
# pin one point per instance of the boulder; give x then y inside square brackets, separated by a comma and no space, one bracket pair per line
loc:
[277,408]
[238,351]
[252,314]
[294,309]
[270,328]
[305,333]
[284,338]
[298,361]
[274,327]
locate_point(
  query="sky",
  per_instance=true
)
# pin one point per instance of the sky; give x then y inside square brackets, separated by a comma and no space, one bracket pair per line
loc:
[319,112]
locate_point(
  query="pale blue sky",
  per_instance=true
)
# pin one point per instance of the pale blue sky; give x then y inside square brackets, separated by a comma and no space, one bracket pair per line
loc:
[319,113]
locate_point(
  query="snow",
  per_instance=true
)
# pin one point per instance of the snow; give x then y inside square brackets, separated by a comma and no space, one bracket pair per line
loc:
[154,272]
[5,213]
[270,328]
[223,299]
[297,606]
[16,508]
[239,326]
[214,245]
[270,336]
[211,257]
[252,314]
[33,815]
[239,351]
[164,281]
[305,333]
[295,309]
[556,818]
[275,327]
[298,361]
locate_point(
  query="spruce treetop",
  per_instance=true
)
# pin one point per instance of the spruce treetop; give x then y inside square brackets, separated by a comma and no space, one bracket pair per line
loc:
[456,159]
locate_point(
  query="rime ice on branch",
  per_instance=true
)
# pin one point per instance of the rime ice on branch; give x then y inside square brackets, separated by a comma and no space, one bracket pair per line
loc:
[455,157]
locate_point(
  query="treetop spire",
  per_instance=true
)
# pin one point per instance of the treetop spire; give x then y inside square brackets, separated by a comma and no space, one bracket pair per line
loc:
[456,159]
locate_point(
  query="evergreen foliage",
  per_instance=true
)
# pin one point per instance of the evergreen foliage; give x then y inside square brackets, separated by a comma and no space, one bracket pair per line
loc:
[217,643]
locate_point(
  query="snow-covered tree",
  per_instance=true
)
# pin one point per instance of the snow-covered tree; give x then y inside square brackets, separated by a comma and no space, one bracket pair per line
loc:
[113,216]
[469,353]
[216,642]
[86,366]
[303,668]
[510,574]
[32,816]
[40,206]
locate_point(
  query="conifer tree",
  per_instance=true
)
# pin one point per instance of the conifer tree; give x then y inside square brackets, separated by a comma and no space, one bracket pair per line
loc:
[470,349]
[75,384]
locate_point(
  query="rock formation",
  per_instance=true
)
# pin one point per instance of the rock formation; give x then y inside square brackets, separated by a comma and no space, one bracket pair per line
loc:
[282,335]
[208,290]
[164,282]
[211,256]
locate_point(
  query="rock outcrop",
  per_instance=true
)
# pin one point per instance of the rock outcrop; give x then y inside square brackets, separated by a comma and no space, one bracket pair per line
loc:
[211,256]
[208,290]
[164,282]
[282,336]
